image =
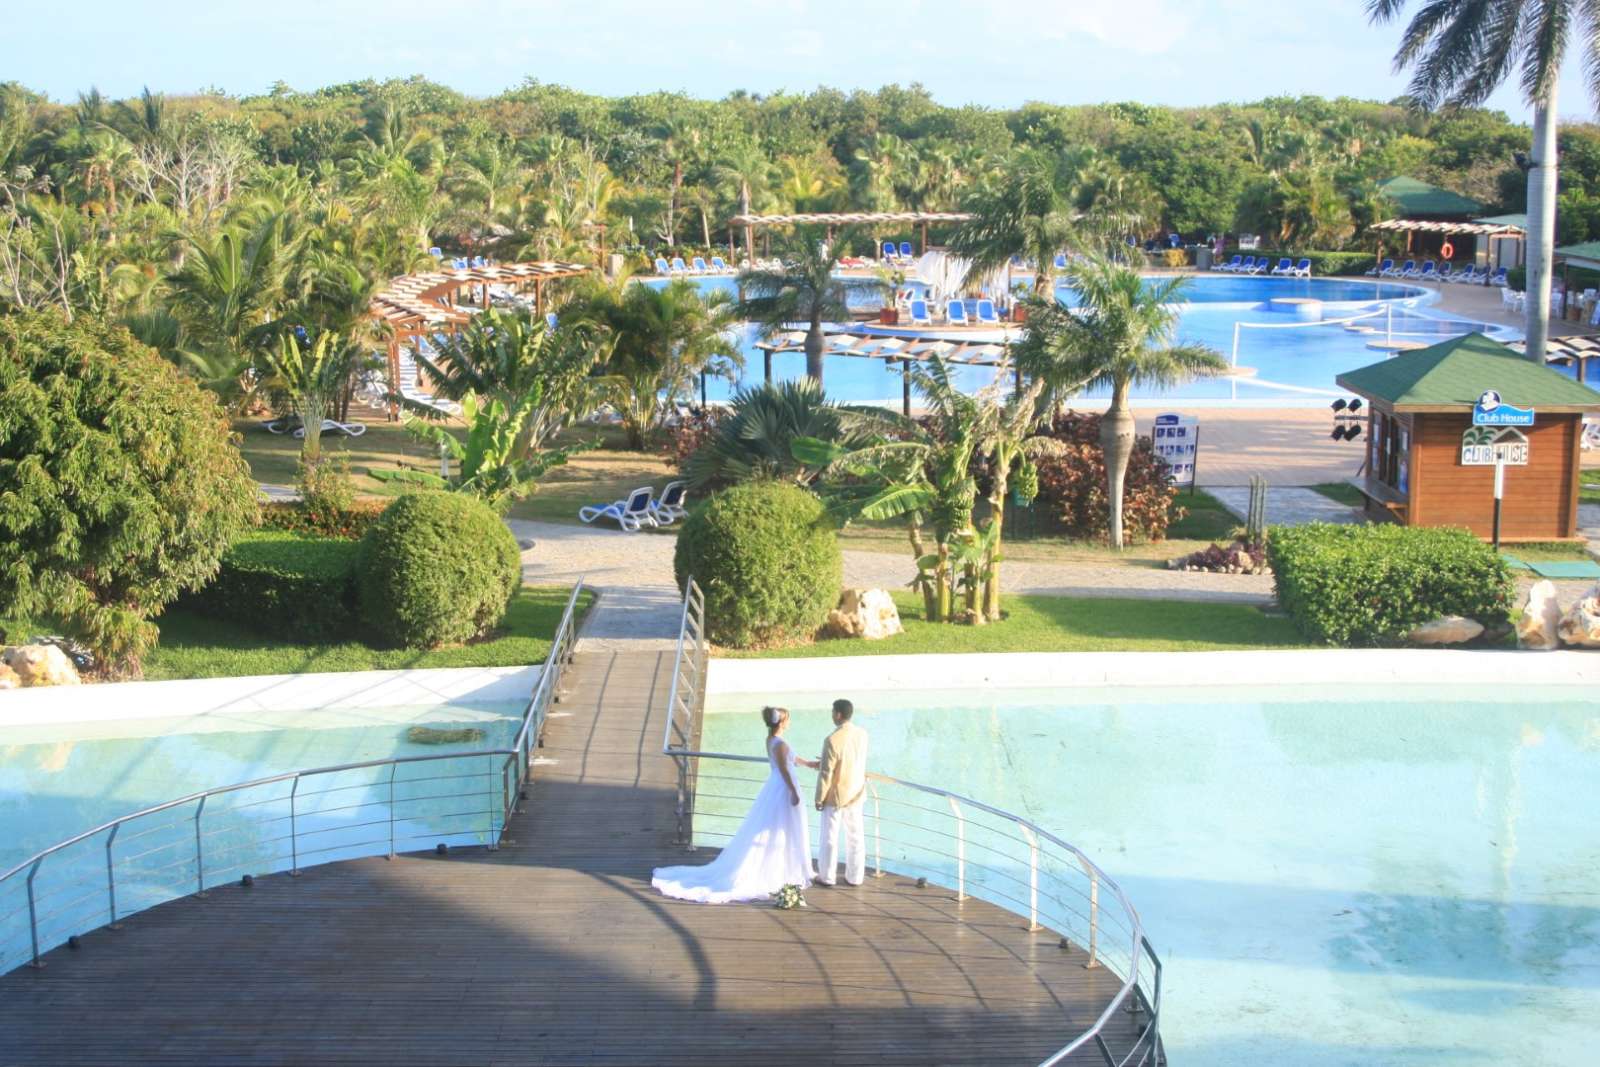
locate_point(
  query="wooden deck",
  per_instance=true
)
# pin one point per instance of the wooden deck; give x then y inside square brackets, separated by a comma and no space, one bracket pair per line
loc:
[554,950]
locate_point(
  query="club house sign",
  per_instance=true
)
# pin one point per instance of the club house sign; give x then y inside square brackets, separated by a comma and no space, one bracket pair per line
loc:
[1493,439]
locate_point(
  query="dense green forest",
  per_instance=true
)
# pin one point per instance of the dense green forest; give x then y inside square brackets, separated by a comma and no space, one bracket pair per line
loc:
[154,206]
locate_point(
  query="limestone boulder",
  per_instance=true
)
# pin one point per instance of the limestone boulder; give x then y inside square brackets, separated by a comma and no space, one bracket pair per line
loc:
[1449,630]
[1580,625]
[865,613]
[1537,628]
[8,678]
[40,665]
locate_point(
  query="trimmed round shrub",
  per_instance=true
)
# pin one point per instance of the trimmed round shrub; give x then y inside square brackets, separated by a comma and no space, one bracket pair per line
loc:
[767,556]
[120,485]
[436,569]
[288,585]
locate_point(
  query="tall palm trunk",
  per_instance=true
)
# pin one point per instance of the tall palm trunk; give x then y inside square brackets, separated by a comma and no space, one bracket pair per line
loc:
[1541,225]
[814,348]
[1116,442]
[311,409]
[930,595]
[672,204]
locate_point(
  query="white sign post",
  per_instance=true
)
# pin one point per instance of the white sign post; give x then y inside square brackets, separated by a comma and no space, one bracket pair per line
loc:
[1177,442]
[1493,439]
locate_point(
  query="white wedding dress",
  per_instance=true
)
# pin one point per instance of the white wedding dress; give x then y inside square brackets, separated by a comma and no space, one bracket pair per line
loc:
[771,848]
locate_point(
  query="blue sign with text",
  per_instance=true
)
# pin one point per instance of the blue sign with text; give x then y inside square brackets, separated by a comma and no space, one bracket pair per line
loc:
[1490,410]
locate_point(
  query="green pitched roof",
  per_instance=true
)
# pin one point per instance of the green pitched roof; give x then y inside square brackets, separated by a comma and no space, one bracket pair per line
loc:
[1586,250]
[1419,198]
[1457,371]
[1518,219]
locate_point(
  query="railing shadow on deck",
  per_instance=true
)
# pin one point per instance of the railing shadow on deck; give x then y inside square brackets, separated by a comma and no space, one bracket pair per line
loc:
[937,836]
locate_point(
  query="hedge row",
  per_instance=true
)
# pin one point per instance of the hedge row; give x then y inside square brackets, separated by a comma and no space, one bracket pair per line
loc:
[1332,264]
[1370,585]
[349,523]
[287,585]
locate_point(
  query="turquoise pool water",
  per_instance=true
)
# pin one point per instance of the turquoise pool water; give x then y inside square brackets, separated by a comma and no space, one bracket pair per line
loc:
[1289,367]
[1346,877]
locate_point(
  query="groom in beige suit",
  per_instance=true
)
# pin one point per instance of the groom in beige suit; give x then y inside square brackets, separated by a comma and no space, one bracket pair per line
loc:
[841,796]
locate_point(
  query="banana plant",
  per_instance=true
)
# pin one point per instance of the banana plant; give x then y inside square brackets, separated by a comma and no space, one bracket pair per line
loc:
[489,460]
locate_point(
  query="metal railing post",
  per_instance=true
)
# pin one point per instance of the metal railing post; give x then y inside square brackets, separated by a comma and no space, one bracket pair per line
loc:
[33,914]
[199,851]
[877,832]
[494,839]
[111,879]
[1033,875]
[1094,913]
[961,849]
[392,768]
[294,832]
[683,800]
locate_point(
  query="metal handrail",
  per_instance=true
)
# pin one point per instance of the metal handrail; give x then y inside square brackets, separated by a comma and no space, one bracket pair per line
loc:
[686,703]
[514,769]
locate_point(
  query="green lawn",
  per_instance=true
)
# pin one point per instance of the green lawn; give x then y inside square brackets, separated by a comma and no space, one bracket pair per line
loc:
[1589,493]
[1069,624]
[1342,492]
[1535,552]
[193,646]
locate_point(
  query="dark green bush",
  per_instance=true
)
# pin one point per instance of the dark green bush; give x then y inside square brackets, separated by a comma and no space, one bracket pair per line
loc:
[436,569]
[1370,585]
[285,585]
[1517,279]
[768,558]
[349,523]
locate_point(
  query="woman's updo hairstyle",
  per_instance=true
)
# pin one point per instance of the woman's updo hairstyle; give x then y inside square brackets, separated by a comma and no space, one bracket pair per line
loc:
[773,717]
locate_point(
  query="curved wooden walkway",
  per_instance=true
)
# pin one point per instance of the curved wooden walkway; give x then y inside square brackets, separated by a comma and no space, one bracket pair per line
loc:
[554,950]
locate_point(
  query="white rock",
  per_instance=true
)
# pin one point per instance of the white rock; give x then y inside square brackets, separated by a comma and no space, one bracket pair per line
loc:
[868,613]
[40,665]
[1449,630]
[1581,623]
[8,678]
[1537,628]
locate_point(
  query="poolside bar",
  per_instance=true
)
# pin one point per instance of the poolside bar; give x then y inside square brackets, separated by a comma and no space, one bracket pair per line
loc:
[1446,418]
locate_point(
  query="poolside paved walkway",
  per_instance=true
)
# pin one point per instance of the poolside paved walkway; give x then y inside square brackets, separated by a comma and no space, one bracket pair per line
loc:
[554,949]
[1287,505]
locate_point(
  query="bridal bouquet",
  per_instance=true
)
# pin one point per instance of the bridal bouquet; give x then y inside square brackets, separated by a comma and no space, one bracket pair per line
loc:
[789,897]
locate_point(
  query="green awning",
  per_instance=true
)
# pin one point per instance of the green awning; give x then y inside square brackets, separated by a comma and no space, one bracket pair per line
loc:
[1416,197]
[1519,220]
[1588,251]
[1456,372]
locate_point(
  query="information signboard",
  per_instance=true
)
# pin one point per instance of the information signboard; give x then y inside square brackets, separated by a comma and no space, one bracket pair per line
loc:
[1177,442]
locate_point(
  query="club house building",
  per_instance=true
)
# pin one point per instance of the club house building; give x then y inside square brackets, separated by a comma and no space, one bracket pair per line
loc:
[1442,418]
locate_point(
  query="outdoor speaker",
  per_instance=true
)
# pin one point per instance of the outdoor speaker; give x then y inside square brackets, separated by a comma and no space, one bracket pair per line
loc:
[1338,405]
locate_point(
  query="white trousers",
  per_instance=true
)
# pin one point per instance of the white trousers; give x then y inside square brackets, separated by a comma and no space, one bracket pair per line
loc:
[852,821]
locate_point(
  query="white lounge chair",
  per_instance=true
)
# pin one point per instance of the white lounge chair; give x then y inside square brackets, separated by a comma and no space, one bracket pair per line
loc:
[677,265]
[632,514]
[719,265]
[698,265]
[661,267]
[668,508]
[1301,269]
[349,429]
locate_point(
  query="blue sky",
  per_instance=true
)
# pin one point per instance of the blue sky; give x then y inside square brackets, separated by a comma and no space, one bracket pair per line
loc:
[997,54]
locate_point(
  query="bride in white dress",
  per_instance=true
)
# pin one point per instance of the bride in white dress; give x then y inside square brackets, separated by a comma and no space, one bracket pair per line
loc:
[771,848]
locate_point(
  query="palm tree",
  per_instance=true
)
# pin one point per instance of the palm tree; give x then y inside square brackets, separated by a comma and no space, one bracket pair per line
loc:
[1026,214]
[1120,335]
[1459,52]
[746,171]
[804,290]
[755,439]
[313,374]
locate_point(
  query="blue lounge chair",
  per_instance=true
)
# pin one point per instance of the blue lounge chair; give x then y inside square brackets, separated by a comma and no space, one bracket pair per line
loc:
[1426,272]
[699,266]
[1470,276]
[1381,269]
[919,313]
[1445,273]
[905,250]
[1284,266]
[956,312]
[1497,278]
[436,252]
[677,265]
[661,266]
[1061,261]
[632,514]
[718,265]
[1247,267]
[1262,265]
[1302,269]
[1407,268]
[889,251]
[1232,264]
[550,320]
[986,312]
[668,507]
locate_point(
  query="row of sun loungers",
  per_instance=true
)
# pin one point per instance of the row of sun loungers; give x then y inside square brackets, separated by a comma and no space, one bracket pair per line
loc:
[642,508]
[1444,272]
[956,314]
[697,265]
[1286,267]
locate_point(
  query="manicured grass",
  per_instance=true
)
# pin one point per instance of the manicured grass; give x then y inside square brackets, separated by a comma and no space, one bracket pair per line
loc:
[273,457]
[193,646]
[1534,552]
[1069,624]
[1207,521]
[1589,487]
[596,477]
[1341,492]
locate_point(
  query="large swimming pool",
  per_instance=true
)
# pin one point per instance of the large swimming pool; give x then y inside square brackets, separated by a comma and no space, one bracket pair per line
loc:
[1281,360]
[1333,875]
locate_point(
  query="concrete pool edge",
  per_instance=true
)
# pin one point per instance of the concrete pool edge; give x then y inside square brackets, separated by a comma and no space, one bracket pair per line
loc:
[1083,670]
[270,692]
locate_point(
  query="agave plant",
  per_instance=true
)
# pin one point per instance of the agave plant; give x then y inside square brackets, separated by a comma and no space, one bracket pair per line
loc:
[756,438]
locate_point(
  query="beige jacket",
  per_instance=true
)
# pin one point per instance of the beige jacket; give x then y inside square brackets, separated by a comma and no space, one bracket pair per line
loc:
[842,771]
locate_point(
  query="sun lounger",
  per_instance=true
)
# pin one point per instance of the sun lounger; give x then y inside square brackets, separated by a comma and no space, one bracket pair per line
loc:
[986,313]
[1401,271]
[1247,267]
[956,312]
[890,253]
[1381,268]
[1061,261]
[661,266]
[1285,265]
[349,429]
[919,313]
[718,265]
[1444,272]
[905,250]
[436,252]
[1302,269]
[677,265]
[1232,265]
[1261,267]
[668,508]
[1427,271]
[699,265]
[1497,278]
[550,320]
[632,514]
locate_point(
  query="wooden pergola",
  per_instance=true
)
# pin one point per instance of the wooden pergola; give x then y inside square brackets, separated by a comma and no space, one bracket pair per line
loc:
[416,305]
[902,348]
[1447,229]
[833,220]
